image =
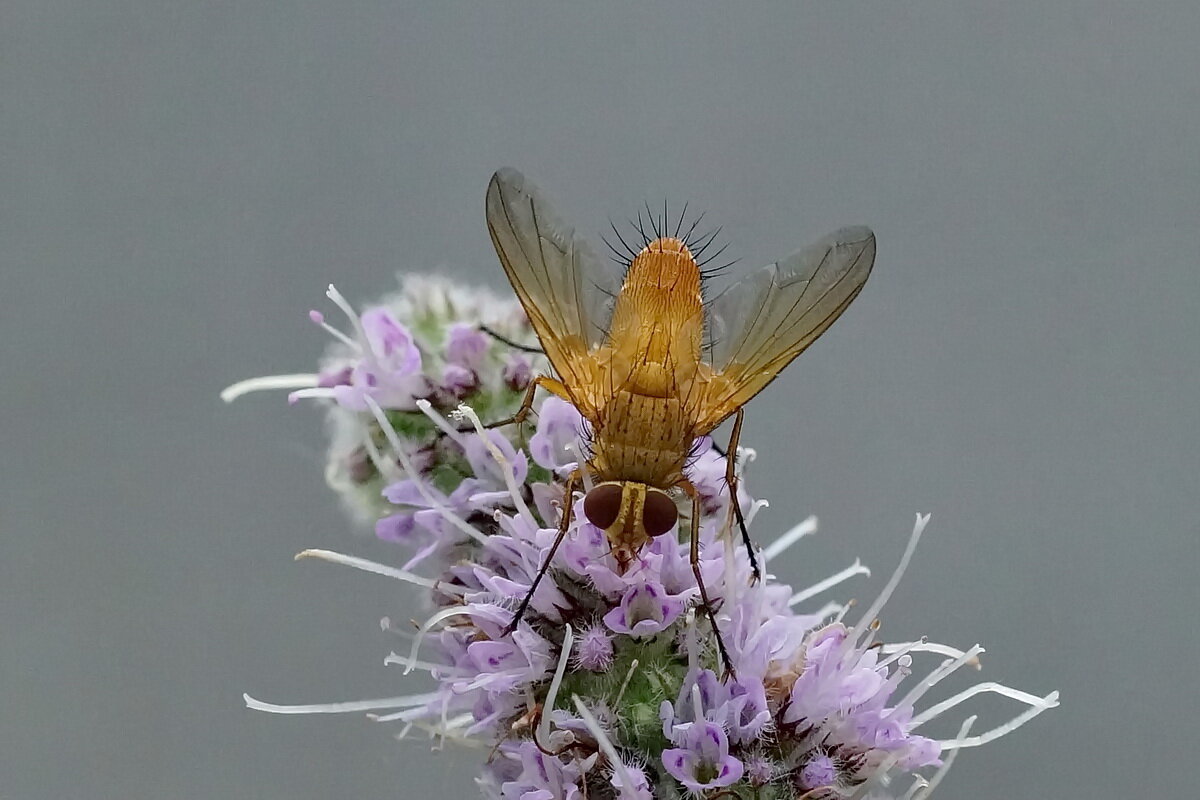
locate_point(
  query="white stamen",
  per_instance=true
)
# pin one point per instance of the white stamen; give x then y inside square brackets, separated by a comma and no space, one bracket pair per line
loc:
[1037,704]
[755,507]
[319,318]
[405,701]
[879,778]
[576,451]
[445,613]
[918,783]
[942,770]
[633,665]
[451,733]
[940,674]
[691,643]
[872,612]
[606,745]
[697,708]
[407,465]
[897,652]
[454,433]
[407,715]
[445,724]
[564,656]
[379,569]
[805,528]
[382,465]
[743,457]
[1047,702]
[266,383]
[506,466]
[320,392]
[924,646]
[832,608]
[731,584]
[341,302]
[833,580]
[411,663]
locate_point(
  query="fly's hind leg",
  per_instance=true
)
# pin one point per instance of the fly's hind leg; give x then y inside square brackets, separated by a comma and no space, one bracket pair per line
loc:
[731,480]
[695,558]
[563,525]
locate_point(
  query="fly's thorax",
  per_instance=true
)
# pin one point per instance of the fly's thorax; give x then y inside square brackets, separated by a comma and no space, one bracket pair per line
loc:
[657,325]
[630,514]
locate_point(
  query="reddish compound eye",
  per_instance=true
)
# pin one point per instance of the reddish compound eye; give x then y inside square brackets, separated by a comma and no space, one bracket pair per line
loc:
[602,505]
[659,513]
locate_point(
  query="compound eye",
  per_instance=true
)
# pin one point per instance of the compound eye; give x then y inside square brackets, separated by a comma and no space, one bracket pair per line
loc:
[602,505]
[659,513]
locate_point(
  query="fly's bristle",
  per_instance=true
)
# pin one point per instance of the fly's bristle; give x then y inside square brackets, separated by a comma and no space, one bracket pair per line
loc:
[668,244]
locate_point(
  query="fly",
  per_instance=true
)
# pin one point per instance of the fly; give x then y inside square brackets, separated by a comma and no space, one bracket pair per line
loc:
[649,365]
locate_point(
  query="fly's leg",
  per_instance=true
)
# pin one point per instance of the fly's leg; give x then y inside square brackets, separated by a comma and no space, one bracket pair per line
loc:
[524,348]
[563,525]
[731,480]
[708,606]
[551,385]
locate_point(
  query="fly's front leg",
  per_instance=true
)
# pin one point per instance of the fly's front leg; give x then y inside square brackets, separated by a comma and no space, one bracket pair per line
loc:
[549,384]
[695,557]
[731,480]
[563,525]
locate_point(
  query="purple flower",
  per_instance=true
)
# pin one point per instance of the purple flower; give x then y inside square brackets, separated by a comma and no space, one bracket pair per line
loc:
[819,771]
[483,463]
[701,692]
[644,610]
[706,471]
[458,381]
[595,649]
[334,375]
[390,369]
[541,777]
[517,371]
[466,346]
[809,699]
[704,762]
[419,525]
[558,425]
[639,788]
[748,714]
[843,689]
[759,770]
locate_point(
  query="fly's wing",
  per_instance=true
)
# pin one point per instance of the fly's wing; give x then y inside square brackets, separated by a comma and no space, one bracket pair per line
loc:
[758,325]
[566,291]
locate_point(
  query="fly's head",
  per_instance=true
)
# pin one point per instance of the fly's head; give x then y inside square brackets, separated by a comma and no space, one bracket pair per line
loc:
[630,514]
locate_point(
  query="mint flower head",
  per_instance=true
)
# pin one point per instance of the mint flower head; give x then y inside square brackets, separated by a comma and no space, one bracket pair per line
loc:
[611,684]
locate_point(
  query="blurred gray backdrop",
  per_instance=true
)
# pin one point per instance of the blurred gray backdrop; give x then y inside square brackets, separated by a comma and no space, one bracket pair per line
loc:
[180,180]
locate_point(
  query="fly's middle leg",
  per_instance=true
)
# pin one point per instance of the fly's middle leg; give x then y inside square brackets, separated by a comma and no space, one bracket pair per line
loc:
[695,558]
[731,480]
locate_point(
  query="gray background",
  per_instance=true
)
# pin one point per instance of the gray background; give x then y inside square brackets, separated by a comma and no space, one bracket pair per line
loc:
[181,179]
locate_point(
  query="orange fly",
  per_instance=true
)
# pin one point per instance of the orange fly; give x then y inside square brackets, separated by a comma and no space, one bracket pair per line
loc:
[648,364]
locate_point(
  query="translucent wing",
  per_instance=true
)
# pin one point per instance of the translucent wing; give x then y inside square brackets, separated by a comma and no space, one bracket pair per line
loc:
[758,325]
[566,291]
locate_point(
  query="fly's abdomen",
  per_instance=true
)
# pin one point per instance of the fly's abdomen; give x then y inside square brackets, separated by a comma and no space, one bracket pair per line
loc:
[641,438]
